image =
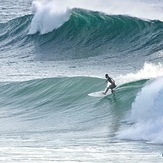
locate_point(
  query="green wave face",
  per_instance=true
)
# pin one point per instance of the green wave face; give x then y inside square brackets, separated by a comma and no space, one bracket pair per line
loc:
[47,101]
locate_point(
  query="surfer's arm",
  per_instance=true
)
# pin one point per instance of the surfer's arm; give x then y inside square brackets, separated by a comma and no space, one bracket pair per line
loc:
[106,80]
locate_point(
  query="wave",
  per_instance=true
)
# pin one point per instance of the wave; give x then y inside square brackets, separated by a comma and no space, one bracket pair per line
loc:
[39,104]
[60,101]
[89,34]
[147,114]
[13,36]
[85,34]
[50,91]
[51,15]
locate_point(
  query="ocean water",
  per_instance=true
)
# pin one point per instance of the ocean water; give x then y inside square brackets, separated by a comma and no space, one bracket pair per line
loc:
[53,54]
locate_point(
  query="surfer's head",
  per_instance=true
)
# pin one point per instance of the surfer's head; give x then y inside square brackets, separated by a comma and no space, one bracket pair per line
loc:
[106,75]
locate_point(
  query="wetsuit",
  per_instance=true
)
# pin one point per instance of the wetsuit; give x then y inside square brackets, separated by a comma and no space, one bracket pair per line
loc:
[113,85]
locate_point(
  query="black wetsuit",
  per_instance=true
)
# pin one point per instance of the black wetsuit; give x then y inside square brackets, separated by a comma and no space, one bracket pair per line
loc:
[113,85]
[110,79]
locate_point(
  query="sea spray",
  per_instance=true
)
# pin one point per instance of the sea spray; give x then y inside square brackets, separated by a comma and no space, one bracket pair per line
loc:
[47,17]
[156,70]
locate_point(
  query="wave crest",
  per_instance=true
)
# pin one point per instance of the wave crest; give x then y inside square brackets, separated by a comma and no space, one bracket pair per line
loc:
[47,18]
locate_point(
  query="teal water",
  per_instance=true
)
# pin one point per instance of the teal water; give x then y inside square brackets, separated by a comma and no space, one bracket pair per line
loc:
[52,57]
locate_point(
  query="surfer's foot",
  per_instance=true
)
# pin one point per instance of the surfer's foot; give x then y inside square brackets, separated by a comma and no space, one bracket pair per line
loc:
[103,93]
[112,91]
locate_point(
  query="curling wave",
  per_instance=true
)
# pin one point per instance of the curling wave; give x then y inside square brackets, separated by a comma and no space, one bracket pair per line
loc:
[85,34]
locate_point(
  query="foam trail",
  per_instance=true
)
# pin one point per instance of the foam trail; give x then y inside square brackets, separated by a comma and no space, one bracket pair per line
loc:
[147,113]
[47,17]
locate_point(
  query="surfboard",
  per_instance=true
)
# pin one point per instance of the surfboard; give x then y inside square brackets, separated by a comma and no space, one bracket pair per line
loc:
[99,94]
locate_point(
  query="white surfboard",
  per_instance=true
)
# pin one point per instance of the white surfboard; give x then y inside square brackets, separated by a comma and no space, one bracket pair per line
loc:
[99,94]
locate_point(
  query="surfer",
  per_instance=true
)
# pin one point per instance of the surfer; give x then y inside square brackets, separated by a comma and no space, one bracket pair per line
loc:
[111,86]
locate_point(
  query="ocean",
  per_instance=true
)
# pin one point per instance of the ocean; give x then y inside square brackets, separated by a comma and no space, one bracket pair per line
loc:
[53,54]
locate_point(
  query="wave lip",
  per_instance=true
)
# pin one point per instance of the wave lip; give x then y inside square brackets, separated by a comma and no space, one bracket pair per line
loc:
[47,18]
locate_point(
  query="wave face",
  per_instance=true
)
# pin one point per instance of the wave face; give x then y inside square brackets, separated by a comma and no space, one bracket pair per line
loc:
[65,103]
[60,101]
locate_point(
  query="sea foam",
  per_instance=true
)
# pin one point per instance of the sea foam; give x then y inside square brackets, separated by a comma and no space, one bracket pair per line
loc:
[148,71]
[147,114]
[47,17]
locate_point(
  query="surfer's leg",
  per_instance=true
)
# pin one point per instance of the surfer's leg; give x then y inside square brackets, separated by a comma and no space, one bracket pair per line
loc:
[106,90]
[112,91]
[112,86]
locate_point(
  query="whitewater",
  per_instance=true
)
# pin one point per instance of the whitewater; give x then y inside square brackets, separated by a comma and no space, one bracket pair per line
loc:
[53,54]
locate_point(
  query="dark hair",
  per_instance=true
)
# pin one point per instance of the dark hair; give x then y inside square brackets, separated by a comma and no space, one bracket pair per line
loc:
[106,75]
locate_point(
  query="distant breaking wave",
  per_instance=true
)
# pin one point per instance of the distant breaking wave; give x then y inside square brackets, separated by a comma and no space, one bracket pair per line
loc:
[86,32]
[51,15]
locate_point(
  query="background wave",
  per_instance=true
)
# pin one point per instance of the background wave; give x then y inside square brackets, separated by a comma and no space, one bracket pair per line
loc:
[89,34]
[85,34]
